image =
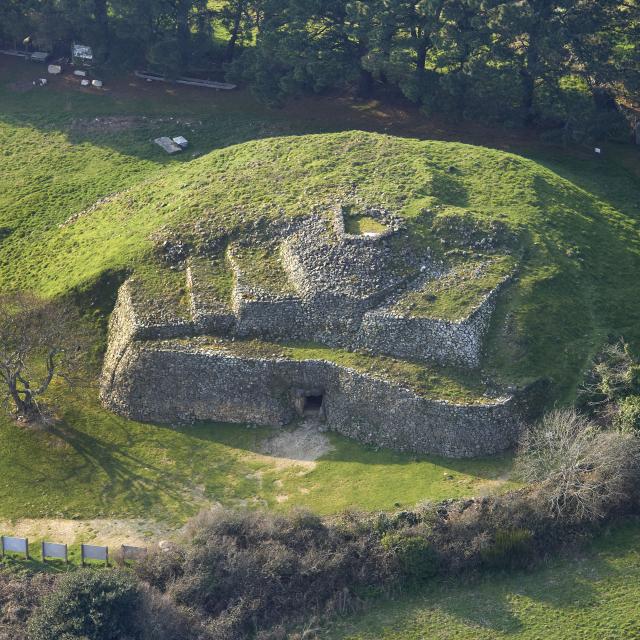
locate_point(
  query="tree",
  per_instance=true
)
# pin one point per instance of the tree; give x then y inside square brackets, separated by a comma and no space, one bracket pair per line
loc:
[241,18]
[39,342]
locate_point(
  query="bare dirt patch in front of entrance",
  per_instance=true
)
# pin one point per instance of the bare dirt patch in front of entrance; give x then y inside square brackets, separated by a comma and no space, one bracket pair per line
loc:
[301,447]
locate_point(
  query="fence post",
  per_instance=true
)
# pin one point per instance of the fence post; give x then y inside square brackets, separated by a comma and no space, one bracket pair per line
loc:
[27,547]
[42,551]
[2,547]
[82,554]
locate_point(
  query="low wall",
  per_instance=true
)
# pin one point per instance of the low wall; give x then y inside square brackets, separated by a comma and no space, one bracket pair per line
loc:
[169,382]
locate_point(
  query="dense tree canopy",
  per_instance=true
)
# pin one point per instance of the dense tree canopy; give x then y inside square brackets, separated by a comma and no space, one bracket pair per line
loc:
[570,65]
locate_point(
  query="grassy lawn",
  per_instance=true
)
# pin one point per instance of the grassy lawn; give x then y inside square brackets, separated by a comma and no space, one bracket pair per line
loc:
[96,464]
[592,596]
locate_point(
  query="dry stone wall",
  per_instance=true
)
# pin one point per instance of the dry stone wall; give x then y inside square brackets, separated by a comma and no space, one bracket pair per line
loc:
[175,381]
[340,291]
[444,341]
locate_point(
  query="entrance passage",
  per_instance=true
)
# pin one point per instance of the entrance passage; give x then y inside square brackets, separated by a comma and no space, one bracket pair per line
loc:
[312,405]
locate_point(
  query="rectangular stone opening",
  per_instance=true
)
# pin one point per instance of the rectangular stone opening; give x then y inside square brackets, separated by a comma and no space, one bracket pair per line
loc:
[312,405]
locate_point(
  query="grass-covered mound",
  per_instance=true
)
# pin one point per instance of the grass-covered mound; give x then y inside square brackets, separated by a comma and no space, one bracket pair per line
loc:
[576,255]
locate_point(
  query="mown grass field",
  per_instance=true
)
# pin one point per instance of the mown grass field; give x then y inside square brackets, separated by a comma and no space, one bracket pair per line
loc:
[96,464]
[592,595]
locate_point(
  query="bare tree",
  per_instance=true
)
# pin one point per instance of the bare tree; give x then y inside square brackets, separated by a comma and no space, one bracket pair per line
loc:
[39,342]
[582,470]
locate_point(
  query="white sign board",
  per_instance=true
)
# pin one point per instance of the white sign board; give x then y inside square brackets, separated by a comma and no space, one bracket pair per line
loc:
[133,553]
[54,550]
[94,552]
[17,545]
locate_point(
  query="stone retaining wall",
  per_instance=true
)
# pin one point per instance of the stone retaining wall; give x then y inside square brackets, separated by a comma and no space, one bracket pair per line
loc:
[445,341]
[168,381]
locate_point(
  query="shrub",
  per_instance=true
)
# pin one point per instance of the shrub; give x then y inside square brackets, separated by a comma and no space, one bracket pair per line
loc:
[416,556]
[90,605]
[19,596]
[627,418]
[615,374]
[583,472]
[247,570]
[509,549]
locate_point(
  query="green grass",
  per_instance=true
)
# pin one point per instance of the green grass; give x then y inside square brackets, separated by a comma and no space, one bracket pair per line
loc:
[576,279]
[592,596]
[360,225]
[96,464]
[214,279]
[576,217]
[262,268]
[155,287]
[458,293]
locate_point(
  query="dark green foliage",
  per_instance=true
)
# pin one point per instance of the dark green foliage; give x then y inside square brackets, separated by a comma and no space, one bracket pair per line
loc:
[415,554]
[509,549]
[90,605]
[565,65]
[611,387]
[248,570]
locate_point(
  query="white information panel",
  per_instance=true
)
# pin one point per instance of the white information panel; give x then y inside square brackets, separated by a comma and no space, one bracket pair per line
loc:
[17,545]
[133,553]
[54,550]
[94,552]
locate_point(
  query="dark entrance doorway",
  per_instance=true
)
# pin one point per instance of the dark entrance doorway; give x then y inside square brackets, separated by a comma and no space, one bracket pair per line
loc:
[312,405]
[309,402]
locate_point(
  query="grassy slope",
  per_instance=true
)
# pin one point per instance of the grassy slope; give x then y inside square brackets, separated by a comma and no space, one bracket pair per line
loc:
[592,596]
[583,235]
[575,286]
[102,464]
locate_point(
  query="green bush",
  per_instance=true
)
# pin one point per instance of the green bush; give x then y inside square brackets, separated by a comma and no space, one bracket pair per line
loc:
[628,416]
[90,605]
[415,554]
[509,549]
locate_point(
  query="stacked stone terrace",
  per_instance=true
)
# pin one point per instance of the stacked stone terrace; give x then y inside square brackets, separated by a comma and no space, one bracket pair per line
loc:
[322,284]
[311,282]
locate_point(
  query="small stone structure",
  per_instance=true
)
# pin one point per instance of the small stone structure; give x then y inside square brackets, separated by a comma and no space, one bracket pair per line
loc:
[311,281]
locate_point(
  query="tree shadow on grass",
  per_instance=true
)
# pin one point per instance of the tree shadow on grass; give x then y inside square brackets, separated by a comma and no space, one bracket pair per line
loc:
[489,603]
[121,469]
